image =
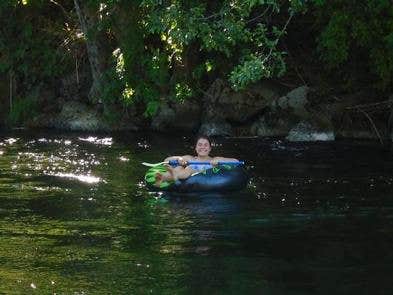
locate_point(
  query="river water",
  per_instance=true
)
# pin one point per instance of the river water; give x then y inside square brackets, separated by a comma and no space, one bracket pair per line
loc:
[76,218]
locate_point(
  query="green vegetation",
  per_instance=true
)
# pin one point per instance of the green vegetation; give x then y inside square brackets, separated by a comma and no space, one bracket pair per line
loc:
[356,39]
[140,53]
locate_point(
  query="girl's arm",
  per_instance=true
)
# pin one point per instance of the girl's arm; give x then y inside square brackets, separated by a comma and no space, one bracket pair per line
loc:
[181,159]
[185,157]
[222,159]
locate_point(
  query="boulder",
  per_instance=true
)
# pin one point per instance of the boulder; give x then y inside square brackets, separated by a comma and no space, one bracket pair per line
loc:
[164,118]
[77,116]
[188,114]
[265,126]
[296,116]
[243,105]
[294,100]
[183,115]
[239,106]
[223,106]
[306,131]
[215,128]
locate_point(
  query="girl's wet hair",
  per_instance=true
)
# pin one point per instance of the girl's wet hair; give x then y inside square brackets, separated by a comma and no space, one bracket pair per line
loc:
[202,136]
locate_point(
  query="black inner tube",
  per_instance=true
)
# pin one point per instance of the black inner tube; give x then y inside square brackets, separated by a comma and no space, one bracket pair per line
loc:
[211,180]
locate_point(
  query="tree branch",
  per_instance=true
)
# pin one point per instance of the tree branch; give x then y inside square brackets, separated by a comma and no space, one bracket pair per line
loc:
[373,125]
[281,33]
[61,7]
[259,16]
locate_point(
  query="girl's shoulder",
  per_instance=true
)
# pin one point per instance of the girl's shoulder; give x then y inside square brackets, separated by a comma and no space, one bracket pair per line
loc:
[217,158]
[187,157]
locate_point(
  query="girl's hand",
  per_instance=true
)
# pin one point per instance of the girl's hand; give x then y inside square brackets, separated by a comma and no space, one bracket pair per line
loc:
[182,162]
[214,163]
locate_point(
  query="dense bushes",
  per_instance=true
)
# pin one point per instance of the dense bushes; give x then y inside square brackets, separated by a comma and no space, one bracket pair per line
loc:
[356,39]
[33,51]
[173,49]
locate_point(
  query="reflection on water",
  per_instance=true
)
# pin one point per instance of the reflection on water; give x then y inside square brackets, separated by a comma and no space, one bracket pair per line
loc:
[75,218]
[82,178]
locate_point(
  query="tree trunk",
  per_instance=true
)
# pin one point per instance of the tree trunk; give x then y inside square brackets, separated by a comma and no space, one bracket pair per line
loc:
[88,19]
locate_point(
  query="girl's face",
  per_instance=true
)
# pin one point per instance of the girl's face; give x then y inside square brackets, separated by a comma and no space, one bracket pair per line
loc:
[203,147]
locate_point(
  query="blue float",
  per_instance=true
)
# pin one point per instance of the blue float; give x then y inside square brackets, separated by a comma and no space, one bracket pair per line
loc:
[218,179]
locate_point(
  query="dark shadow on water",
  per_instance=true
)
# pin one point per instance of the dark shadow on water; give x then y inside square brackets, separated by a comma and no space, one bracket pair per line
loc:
[208,203]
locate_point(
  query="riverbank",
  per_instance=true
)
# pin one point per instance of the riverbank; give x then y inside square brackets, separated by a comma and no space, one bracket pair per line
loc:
[267,109]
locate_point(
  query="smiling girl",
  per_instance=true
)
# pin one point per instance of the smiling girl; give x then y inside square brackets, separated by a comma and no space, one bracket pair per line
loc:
[202,148]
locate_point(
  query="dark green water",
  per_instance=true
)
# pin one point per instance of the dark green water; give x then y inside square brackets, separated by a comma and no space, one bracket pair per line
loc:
[75,218]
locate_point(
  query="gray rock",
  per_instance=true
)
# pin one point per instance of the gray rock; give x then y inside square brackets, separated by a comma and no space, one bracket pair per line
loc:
[182,116]
[239,106]
[164,118]
[243,105]
[188,114]
[265,127]
[222,105]
[295,100]
[305,131]
[296,117]
[215,129]
[78,116]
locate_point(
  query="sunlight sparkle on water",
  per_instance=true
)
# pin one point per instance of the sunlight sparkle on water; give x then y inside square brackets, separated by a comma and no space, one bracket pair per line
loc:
[144,145]
[80,177]
[45,140]
[123,159]
[48,188]
[11,140]
[96,140]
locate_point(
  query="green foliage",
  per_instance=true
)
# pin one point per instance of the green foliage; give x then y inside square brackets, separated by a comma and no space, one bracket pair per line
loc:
[254,69]
[251,70]
[153,42]
[138,71]
[173,49]
[152,107]
[23,109]
[334,41]
[182,91]
[29,46]
[113,87]
[240,31]
[32,54]
[357,32]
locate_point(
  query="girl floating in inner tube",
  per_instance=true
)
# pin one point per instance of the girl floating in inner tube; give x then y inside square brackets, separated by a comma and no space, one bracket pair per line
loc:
[202,148]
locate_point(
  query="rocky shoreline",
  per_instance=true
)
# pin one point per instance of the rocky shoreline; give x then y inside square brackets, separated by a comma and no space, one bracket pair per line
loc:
[265,109]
